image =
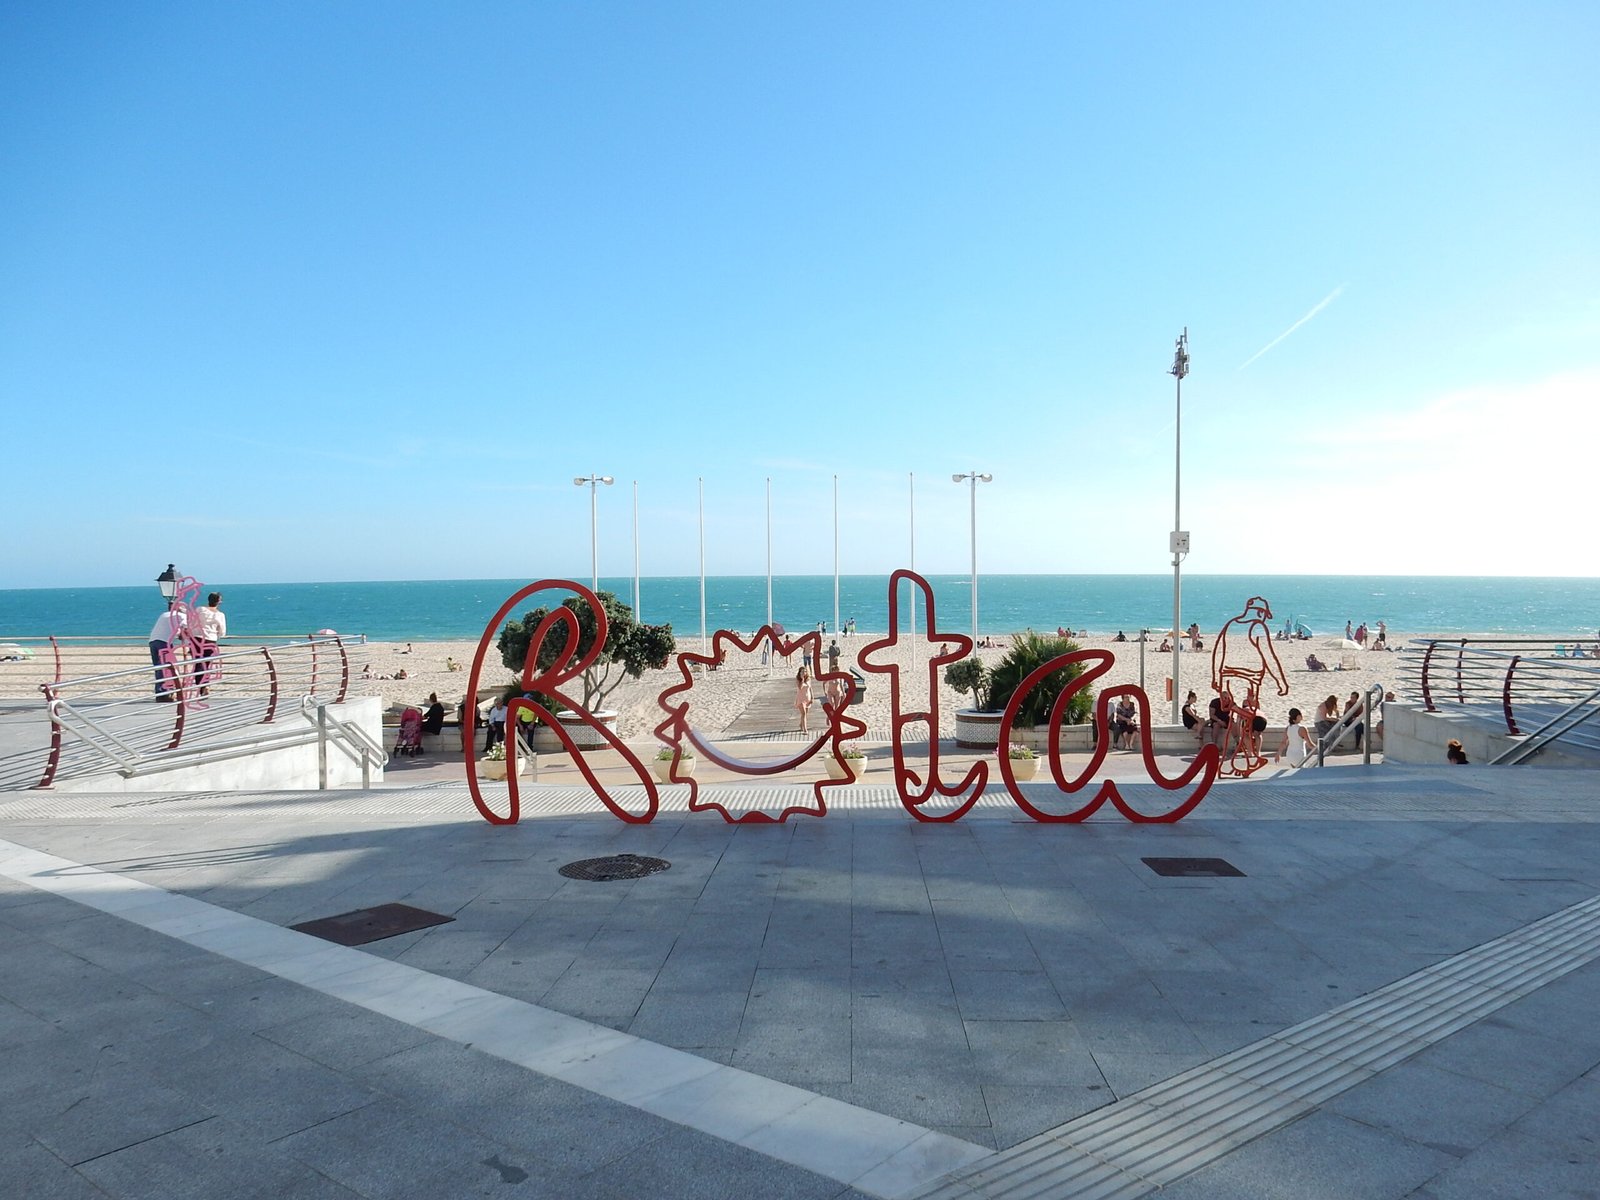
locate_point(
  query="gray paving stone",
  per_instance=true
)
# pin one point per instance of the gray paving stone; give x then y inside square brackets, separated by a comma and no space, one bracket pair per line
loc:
[1007,996]
[1434,1108]
[29,1170]
[1031,1053]
[1514,1164]
[1320,1155]
[204,1161]
[1018,1112]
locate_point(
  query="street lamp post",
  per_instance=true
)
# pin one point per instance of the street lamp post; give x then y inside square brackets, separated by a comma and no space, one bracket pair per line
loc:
[1179,542]
[167,581]
[594,482]
[974,479]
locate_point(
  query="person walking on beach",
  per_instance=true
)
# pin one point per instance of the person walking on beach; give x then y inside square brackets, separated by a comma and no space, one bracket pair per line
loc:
[802,696]
[169,627]
[1296,741]
[211,628]
[833,656]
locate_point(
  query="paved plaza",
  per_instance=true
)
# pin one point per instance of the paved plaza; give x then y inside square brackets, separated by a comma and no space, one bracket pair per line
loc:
[1397,996]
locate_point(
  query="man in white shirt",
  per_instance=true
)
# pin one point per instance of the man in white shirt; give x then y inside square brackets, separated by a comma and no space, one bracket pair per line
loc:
[211,626]
[168,627]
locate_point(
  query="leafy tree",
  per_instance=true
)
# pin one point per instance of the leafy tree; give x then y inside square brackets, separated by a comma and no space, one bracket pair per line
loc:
[629,649]
[968,675]
[1030,650]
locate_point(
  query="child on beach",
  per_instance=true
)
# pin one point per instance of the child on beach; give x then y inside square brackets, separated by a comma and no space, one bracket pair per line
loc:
[1296,741]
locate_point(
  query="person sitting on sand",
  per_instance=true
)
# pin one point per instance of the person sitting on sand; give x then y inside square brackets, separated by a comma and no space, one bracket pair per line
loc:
[401,674]
[450,664]
[1121,637]
[1165,647]
[1313,663]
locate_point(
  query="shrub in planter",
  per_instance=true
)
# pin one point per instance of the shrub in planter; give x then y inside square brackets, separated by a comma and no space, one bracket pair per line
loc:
[1029,651]
[968,675]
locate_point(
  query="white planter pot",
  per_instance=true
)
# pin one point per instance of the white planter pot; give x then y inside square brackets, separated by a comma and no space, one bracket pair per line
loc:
[495,768]
[663,769]
[853,768]
[1024,768]
[583,736]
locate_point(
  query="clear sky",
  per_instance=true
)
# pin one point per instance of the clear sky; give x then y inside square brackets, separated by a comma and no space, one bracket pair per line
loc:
[353,291]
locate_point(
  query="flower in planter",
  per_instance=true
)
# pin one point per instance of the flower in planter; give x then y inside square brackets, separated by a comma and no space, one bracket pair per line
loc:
[1018,750]
[497,753]
[850,752]
[668,753]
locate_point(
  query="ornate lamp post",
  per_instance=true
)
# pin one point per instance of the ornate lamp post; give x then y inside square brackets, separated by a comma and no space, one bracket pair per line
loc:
[167,581]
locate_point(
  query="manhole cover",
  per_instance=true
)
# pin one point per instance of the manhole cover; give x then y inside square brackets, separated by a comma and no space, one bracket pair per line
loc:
[1195,868]
[618,866]
[371,924]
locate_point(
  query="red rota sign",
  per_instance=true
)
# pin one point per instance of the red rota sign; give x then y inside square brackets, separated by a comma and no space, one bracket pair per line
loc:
[935,649]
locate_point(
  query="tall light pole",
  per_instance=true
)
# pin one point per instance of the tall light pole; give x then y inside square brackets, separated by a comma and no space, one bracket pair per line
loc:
[769,550]
[700,483]
[835,554]
[1179,541]
[594,482]
[974,479]
[636,609]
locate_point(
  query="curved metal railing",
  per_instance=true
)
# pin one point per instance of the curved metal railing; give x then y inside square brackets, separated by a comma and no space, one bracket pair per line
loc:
[114,719]
[1522,684]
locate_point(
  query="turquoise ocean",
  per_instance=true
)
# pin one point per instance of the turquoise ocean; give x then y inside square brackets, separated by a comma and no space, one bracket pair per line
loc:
[431,610]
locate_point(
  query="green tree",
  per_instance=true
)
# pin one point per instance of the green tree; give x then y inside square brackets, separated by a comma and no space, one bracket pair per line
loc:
[968,675]
[629,649]
[1029,651]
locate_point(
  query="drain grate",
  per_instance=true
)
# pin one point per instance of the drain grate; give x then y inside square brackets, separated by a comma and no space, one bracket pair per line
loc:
[1193,868]
[618,866]
[371,924]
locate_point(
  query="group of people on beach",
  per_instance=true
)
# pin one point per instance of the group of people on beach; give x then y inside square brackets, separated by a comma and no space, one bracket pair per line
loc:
[1361,636]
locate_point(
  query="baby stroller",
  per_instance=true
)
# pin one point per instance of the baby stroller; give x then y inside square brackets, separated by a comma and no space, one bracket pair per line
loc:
[410,740]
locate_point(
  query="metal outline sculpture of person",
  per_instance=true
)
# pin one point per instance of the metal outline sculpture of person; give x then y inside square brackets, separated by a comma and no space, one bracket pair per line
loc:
[1245,757]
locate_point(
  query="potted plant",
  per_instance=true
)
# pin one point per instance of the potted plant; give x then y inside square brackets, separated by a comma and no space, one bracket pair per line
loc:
[666,756]
[855,764]
[975,726]
[1028,651]
[493,764]
[1024,762]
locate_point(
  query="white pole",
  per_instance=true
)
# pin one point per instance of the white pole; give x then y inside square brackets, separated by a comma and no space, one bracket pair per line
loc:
[1180,368]
[594,538]
[836,554]
[974,490]
[974,478]
[769,549]
[911,480]
[702,484]
[636,611]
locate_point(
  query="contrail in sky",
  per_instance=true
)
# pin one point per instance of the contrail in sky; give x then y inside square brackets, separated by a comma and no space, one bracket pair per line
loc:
[1321,304]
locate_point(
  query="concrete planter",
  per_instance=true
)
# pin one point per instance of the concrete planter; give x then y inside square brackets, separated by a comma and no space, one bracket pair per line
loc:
[976,729]
[662,768]
[583,736]
[853,768]
[495,768]
[1024,768]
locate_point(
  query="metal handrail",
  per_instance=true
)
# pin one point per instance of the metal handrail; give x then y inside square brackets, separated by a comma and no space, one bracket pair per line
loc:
[1348,721]
[1542,737]
[1503,672]
[352,740]
[107,719]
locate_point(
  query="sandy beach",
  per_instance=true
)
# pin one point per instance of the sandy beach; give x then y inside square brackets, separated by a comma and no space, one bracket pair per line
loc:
[722,697]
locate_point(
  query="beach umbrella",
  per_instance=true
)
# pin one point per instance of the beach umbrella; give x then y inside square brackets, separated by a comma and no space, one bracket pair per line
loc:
[1347,644]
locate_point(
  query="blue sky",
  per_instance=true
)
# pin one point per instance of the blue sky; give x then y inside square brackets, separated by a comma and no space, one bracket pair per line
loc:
[353,291]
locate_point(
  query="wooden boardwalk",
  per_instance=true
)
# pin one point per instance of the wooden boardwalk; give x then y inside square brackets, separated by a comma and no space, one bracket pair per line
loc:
[771,710]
